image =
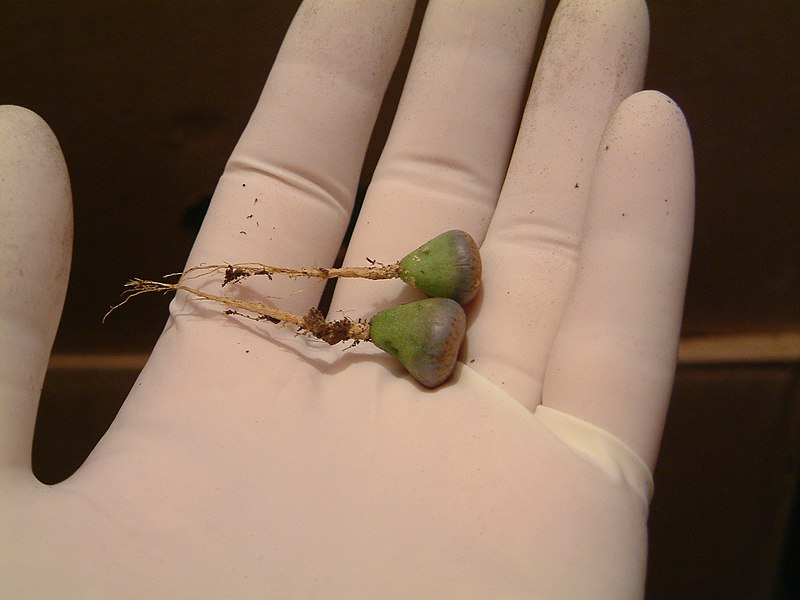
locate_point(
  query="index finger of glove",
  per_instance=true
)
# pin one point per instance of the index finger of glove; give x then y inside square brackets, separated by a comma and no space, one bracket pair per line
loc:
[287,192]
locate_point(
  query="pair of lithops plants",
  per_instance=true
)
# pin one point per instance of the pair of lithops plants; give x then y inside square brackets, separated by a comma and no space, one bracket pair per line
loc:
[425,336]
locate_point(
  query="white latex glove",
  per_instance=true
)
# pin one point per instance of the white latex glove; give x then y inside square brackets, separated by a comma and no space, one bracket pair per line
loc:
[249,462]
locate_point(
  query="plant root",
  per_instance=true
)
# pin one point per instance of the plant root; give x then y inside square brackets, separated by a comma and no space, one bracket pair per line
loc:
[312,322]
[233,273]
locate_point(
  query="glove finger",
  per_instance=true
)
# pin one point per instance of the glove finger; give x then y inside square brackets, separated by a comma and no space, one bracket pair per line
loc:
[613,360]
[594,56]
[445,159]
[287,192]
[35,254]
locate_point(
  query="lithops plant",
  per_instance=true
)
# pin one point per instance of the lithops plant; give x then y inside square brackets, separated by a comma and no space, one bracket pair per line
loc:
[448,266]
[425,336]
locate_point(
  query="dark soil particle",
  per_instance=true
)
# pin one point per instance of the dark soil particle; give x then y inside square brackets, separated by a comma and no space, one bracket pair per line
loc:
[331,332]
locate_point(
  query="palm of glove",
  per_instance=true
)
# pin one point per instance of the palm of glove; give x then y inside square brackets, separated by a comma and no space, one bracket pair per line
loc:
[249,462]
[289,479]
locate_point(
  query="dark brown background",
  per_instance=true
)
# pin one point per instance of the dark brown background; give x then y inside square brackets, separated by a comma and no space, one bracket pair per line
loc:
[148,99]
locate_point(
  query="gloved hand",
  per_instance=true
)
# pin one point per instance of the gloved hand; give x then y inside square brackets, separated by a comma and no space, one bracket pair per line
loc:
[250,462]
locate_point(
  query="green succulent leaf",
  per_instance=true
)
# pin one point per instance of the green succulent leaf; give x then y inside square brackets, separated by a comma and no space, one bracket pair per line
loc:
[425,336]
[448,266]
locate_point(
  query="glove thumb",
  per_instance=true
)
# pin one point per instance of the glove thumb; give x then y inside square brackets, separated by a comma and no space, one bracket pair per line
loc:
[35,254]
